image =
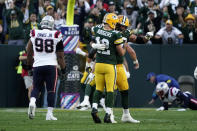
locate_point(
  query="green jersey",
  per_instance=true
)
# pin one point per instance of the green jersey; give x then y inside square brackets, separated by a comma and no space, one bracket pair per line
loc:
[110,39]
[125,35]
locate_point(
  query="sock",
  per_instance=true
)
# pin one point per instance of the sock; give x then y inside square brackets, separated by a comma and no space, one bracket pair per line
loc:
[125,99]
[32,100]
[109,110]
[97,96]
[95,105]
[109,100]
[86,98]
[50,99]
[126,111]
[88,90]
[50,110]
[82,91]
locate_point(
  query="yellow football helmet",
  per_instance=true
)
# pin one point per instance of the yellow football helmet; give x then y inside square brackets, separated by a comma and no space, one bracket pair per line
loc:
[111,19]
[123,20]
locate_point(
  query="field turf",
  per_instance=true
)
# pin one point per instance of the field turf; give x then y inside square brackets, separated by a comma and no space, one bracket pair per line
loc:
[15,119]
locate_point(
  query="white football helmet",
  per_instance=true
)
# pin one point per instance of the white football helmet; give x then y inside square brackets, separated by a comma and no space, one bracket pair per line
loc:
[162,88]
[47,22]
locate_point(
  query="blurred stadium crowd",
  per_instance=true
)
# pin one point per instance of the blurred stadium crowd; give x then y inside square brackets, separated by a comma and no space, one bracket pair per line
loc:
[171,21]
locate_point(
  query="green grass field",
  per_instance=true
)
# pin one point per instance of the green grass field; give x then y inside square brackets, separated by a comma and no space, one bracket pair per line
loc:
[15,119]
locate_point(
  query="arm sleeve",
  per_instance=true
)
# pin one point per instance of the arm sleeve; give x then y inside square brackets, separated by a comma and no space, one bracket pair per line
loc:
[160,32]
[60,46]
[177,32]
[119,39]
[91,53]
[154,95]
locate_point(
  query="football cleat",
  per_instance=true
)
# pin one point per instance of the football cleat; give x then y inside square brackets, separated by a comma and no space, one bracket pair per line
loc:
[109,118]
[128,118]
[84,105]
[50,117]
[31,110]
[95,116]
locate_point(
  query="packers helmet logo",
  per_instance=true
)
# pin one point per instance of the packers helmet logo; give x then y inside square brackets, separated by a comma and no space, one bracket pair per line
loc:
[123,20]
[111,19]
[114,17]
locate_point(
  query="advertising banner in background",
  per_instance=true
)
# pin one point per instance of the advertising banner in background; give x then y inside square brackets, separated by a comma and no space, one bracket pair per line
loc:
[71,84]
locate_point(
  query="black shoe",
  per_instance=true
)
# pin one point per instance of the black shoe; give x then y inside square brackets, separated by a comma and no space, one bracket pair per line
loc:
[107,118]
[95,116]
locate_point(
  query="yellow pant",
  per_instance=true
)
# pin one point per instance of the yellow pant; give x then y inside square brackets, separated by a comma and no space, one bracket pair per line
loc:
[121,80]
[105,76]
[83,79]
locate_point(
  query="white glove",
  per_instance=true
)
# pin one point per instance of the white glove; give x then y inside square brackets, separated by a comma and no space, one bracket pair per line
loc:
[160,108]
[89,78]
[181,109]
[127,74]
[149,35]
[195,73]
[98,46]
[80,52]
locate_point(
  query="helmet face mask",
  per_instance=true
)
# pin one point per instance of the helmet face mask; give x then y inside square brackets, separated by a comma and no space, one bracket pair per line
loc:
[47,22]
[111,19]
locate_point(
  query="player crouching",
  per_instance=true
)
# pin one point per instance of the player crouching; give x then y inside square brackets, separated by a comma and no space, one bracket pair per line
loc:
[171,94]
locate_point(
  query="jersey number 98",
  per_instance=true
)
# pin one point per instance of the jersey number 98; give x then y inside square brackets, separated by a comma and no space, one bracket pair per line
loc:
[44,45]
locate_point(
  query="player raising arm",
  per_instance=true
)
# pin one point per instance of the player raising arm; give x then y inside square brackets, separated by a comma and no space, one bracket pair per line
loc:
[122,75]
[47,47]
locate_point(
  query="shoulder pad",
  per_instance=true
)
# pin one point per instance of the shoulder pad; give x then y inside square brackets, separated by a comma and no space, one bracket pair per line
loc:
[174,91]
[32,33]
[57,34]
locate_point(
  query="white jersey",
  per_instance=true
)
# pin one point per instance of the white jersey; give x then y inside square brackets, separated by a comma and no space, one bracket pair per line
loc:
[44,46]
[169,37]
[172,92]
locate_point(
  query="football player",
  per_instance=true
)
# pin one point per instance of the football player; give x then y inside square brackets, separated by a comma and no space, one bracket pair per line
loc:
[169,94]
[129,35]
[108,43]
[122,76]
[88,80]
[155,79]
[47,47]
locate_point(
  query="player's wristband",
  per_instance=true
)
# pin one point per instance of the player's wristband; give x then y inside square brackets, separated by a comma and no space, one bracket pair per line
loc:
[135,62]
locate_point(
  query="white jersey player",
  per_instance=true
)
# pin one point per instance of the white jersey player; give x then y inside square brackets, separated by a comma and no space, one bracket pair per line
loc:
[170,94]
[47,47]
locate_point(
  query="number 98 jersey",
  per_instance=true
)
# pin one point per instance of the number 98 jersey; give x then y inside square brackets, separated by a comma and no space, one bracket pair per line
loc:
[44,46]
